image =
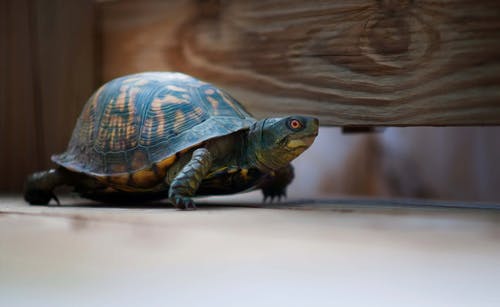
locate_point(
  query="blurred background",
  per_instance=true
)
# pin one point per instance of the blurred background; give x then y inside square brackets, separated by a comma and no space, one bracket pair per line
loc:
[54,54]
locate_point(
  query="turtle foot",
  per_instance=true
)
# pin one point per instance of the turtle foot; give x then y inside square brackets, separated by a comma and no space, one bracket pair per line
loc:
[38,189]
[40,197]
[274,186]
[183,203]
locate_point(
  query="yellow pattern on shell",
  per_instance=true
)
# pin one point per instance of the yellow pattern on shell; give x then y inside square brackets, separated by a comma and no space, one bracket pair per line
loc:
[119,180]
[120,100]
[145,178]
[179,120]
[226,99]
[214,103]
[166,163]
[176,88]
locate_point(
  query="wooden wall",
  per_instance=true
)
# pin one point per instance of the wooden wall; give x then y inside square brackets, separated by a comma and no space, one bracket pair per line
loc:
[47,71]
[350,63]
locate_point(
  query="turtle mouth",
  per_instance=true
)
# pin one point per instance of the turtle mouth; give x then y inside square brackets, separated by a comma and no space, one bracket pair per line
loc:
[302,143]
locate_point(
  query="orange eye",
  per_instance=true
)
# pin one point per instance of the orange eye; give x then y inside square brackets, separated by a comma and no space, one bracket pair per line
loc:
[295,124]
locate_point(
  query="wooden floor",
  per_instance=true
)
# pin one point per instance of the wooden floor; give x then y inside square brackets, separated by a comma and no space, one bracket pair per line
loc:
[342,253]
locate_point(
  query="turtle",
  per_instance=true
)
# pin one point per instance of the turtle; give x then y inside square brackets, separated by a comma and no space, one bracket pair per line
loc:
[156,135]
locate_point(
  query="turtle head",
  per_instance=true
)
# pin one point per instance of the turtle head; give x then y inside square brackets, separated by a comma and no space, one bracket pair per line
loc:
[275,142]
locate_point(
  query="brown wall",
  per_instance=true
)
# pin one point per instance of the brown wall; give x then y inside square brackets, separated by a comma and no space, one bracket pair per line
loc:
[353,63]
[349,63]
[47,71]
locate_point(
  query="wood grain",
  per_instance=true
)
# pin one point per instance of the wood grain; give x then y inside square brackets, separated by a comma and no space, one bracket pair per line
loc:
[363,256]
[351,63]
[47,71]
[66,54]
[18,125]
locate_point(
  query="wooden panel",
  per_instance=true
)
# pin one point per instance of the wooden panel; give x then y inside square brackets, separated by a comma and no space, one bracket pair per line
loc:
[351,63]
[19,146]
[47,72]
[66,58]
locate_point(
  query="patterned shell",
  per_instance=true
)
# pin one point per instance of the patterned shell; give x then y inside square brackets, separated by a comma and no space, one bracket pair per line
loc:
[134,121]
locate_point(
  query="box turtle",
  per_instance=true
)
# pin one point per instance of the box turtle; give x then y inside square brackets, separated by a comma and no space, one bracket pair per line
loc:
[155,135]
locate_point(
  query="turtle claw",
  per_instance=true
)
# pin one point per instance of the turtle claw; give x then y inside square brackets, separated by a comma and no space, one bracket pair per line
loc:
[273,194]
[54,197]
[183,203]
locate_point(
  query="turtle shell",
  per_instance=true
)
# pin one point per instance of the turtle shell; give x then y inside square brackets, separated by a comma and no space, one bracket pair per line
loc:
[143,120]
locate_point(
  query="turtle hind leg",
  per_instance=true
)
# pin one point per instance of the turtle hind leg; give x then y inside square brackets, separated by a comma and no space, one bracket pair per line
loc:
[274,185]
[39,187]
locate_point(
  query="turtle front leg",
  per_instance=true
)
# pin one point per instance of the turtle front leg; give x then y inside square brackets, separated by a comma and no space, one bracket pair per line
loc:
[39,187]
[274,184]
[187,181]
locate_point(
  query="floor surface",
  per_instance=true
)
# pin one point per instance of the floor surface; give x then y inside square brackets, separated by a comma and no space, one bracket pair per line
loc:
[320,254]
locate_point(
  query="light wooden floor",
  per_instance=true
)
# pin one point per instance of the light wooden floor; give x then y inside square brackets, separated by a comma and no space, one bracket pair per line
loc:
[324,254]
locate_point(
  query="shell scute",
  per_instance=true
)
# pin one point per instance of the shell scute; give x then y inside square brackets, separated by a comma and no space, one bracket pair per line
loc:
[134,122]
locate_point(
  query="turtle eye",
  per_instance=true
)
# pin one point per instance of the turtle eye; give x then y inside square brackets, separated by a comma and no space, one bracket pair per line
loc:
[295,124]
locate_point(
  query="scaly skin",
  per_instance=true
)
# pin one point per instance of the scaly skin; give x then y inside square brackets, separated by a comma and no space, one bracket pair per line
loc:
[39,187]
[188,180]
